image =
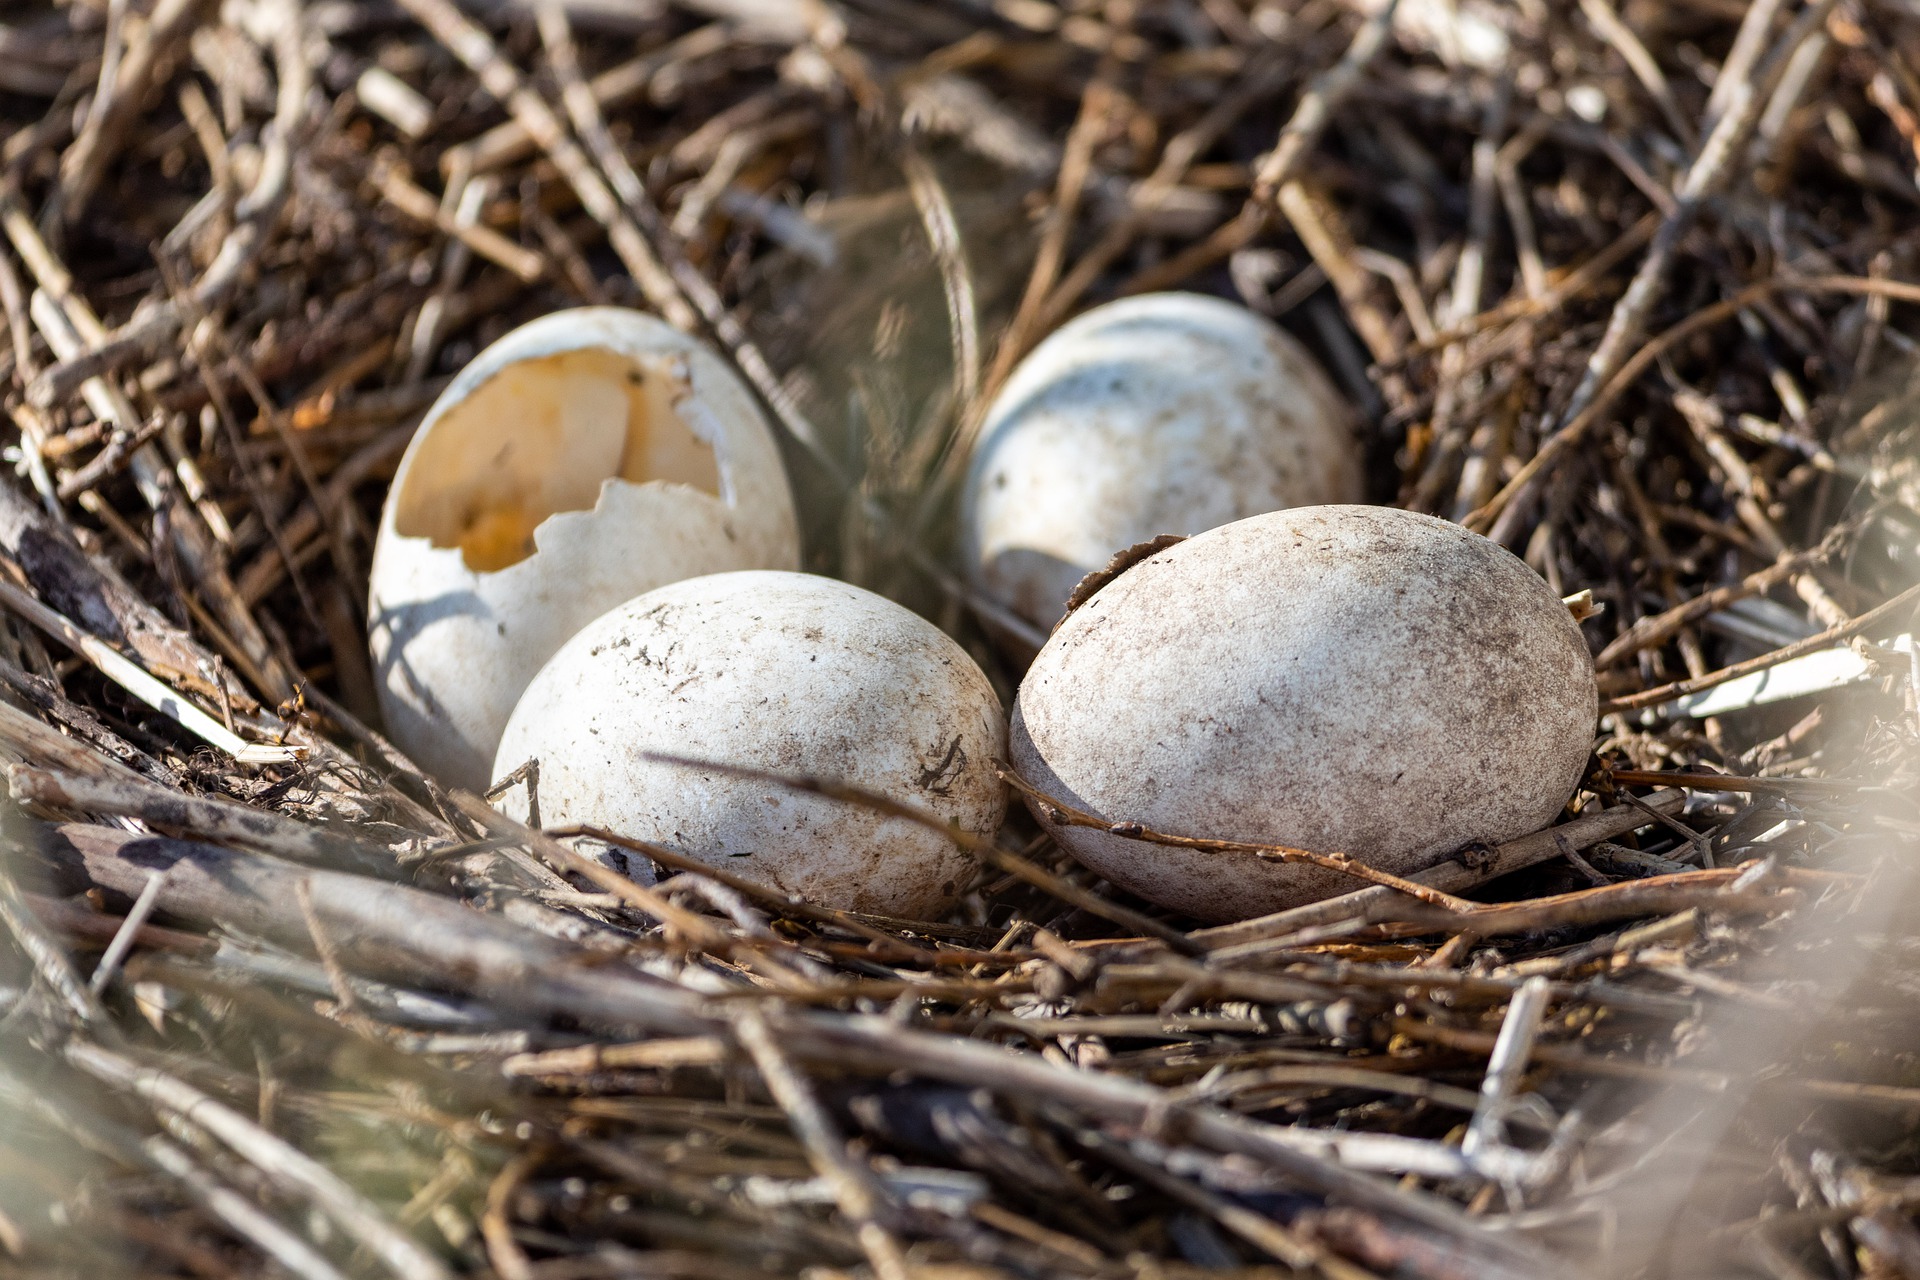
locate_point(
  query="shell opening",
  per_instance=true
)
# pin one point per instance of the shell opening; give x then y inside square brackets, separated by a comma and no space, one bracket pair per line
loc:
[540,437]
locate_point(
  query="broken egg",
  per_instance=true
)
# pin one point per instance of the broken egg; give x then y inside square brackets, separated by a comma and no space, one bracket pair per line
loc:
[585,458]
[1343,679]
[789,673]
[1168,413]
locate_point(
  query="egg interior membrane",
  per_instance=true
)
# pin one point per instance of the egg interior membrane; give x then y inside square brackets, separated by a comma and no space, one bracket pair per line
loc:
[540,437]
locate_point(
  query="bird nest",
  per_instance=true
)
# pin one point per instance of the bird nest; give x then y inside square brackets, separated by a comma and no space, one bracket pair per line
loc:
[1622,287]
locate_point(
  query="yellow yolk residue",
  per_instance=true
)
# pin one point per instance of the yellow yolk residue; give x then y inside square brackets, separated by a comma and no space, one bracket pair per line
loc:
[497,538]
[540,437]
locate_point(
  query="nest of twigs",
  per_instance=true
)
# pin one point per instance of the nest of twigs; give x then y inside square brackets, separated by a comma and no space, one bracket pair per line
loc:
[1621,286]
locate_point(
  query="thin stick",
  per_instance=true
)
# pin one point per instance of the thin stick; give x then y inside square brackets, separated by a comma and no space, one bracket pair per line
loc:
[1175,159]
[1715,889]
[854,1186]
[1574,283]
[943,234]
[509,141]
[1257,1229]
[1742,103]
[1647,71]
[1585,830]
[124,937]
[980,846]
[1070,181]
[323,947]
[1065,814]
[1749,42]
[1487,519]
[255,214]
[1505,1066]
[509,1261]
[166,809]
[1895,608]
[118,105]
[240,1214]
[473,46]
[1658,628]
[695,930]
[135,679]
[71,327]
[418,203]
[1302,132]
[778,900]
[49,960]
[352,1212]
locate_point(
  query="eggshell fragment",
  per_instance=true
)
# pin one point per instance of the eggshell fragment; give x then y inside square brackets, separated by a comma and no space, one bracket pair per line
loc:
[580,461]
[785,672]
[1163,413]
[1346,679]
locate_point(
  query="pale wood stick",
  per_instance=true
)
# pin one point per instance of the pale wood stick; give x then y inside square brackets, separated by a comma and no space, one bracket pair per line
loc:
[1894,609]
[135,679]
[286,1166]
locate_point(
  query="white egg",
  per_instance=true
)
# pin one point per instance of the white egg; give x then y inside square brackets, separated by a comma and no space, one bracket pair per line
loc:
[784,672]
[581,460]
[1356,680]
[1165,413]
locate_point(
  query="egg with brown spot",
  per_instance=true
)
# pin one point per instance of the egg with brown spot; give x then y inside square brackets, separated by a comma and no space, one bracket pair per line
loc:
[1344,679]
[581,460]
[1163,413]
[788,673]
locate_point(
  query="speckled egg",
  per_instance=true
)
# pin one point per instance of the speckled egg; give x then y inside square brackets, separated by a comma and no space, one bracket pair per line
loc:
[784,672]
[1349,679]
[1167,413]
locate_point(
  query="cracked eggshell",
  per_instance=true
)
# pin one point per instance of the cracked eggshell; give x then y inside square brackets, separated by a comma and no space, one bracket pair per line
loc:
[1164,413]
[1343,679]
[581,460]
[786,672]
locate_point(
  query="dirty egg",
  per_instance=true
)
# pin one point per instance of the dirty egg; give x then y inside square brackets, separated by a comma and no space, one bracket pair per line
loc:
[1343,679]
[1165,413]
[581,460]
[784,672]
